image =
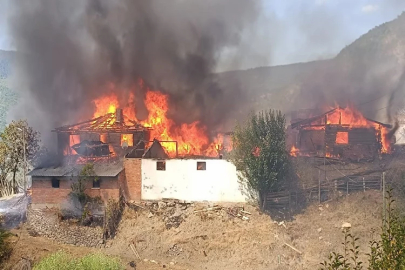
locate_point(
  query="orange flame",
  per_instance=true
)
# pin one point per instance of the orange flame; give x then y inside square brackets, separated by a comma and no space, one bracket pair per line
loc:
[128,139]
[294,151]
[191,138]
[351,117]
[342,138]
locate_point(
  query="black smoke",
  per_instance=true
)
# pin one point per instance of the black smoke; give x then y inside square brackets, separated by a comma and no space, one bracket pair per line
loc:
[69,52]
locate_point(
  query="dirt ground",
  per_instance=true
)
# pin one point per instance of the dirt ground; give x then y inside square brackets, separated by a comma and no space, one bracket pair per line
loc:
[221,241]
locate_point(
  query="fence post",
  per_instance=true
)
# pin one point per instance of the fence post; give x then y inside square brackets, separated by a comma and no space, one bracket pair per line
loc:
[364,185]
[319,185]
[383,191]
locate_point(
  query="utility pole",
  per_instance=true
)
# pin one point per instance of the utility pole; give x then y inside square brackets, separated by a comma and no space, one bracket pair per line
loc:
[384,203]
[25,162]
[319,185]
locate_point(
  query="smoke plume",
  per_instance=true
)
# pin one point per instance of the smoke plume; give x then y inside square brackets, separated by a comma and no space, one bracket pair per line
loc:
[70,52]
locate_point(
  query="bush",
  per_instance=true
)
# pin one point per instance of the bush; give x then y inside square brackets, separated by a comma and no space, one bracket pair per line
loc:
[5,247]
[61,260]
[386,253]
[259,154]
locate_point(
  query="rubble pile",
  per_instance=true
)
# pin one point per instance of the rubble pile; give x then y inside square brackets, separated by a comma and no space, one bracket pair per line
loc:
[174,212]
[47,224]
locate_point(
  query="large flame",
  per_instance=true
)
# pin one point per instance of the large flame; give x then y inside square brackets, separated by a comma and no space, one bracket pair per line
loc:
[185,139]
[349,117]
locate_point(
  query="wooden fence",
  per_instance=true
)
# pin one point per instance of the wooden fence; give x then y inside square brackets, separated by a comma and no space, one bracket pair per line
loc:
[284,204]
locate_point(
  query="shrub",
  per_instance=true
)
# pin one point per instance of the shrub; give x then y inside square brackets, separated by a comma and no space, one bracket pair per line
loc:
[386,253]
[61,260]
[5,247]
[260,155]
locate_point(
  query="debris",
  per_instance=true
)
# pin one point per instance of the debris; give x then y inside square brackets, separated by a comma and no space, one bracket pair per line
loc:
[135,251]
[137,205]
[205,253]
[208,209]
[293,248]
[238,213]
[319,230]
[153,261]
[346,225]
[162,205]
[150,215]
[132,264]
[280,224]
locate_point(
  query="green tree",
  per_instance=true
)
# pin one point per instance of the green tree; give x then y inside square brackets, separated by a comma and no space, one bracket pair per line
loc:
[16,139]
[260,155]
[86,174]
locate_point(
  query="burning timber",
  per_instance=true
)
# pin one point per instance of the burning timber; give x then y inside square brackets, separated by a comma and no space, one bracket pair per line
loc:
[340,133]
[102,136]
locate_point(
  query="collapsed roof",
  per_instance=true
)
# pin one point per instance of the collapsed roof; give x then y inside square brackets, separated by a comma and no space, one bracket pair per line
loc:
[312,120]
[111,122]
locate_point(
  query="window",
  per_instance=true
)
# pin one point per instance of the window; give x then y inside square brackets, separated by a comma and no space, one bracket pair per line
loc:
[161,165]
[55,183]
[201,166]
[96,183]
[342,137]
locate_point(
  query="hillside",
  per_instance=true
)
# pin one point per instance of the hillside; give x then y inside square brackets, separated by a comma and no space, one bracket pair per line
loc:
[217,240]
[363,70]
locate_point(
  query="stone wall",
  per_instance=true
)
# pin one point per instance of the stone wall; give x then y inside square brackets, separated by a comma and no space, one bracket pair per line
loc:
[46,223]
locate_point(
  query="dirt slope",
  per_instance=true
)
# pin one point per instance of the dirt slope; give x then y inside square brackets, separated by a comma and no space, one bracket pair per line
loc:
[220,241]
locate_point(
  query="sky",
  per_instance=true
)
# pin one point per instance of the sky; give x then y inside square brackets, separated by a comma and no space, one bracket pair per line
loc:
[290,31]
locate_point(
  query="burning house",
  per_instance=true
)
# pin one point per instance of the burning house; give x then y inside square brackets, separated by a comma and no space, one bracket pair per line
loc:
[104,136]
[341,133]
[126,161]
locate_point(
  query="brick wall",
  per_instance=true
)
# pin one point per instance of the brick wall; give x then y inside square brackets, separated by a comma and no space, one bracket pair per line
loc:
[43,193]
[133,177]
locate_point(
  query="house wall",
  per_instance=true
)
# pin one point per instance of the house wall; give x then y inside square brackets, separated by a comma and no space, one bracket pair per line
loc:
[181,180]
[43,194]
[133,178]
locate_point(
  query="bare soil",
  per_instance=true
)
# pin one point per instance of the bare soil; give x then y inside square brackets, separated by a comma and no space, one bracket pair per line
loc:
[217,240]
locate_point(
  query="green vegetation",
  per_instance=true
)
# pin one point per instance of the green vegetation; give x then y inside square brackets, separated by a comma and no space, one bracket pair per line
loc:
[386,253]
[86,174]
[5,247]
[260,153]
[16,139]
[61,260]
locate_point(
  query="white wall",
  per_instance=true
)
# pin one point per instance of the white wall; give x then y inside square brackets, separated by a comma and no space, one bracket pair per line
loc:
[181,180]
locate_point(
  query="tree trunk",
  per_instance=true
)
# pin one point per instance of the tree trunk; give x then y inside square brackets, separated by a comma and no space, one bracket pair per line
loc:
[14,186]
[262,201]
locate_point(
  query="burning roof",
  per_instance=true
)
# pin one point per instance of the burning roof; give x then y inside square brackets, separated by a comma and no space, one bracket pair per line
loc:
[342,133]
[110,122]
[339,116]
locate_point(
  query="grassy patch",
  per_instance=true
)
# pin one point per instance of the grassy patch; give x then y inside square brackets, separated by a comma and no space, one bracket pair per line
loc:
[61,260]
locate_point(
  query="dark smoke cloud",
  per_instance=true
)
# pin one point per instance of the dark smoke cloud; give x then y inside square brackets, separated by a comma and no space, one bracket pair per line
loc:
[70,51]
